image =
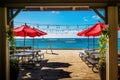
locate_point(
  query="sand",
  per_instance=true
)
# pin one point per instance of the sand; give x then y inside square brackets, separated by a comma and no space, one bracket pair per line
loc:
[62,65]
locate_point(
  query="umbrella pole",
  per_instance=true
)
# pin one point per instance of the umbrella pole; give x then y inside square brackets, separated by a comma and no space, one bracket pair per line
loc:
[88,42]
[33,43]
[93,42]
[24,42]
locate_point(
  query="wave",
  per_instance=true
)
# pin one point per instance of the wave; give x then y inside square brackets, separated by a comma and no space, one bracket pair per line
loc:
[70,41]
[52,39]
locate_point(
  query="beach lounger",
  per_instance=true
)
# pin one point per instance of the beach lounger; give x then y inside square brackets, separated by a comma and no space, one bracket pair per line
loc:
[91,52]
[94,63]
[83,56]
[91,58]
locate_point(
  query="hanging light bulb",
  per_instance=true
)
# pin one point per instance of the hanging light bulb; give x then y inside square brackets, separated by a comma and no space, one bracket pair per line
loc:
[47,26]
[37,25]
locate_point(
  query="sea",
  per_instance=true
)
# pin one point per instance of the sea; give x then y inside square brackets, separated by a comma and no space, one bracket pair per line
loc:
[60,43]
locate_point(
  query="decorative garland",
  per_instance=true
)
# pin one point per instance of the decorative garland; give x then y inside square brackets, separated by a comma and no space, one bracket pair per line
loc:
[105,34]
[11,40]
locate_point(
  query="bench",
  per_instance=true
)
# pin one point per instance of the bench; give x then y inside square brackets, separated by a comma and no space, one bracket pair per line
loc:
[94,63]
[24,47]
[83,56]
[37,57]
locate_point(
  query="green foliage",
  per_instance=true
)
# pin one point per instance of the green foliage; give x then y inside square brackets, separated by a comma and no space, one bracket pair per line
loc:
[11,40]
[105,34]
[14,69]
[14,64]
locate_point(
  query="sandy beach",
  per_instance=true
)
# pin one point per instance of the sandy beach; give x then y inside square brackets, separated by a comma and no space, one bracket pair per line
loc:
[62,65]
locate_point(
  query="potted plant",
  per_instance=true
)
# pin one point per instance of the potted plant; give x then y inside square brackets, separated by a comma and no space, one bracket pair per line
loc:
[14,69]
[102,51]
[14,64]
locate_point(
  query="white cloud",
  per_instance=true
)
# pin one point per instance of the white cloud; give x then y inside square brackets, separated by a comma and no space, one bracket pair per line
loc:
[55,12]
[95,17]
[62,34]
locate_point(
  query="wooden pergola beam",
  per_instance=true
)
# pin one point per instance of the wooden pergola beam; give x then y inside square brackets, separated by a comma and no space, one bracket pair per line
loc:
[99,4]
[99,14]
[59,1]
[21,3]
[54,4]
[14,15]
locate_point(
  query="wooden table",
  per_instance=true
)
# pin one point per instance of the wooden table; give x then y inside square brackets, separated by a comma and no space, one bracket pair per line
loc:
[27,54]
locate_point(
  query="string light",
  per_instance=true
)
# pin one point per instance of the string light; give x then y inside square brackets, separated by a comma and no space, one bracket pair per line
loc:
[57,29]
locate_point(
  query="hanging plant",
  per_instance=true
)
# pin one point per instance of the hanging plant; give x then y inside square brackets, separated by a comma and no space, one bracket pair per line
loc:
[105,34]
[14,63]
[11,40]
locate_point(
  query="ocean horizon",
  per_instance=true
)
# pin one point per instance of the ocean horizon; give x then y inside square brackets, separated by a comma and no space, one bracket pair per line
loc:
[60,43]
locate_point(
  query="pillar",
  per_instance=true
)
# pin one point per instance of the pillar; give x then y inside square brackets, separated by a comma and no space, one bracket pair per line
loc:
[4,53]
[112,51]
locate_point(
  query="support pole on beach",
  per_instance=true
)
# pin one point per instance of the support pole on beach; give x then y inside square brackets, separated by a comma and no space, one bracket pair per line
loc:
[93,42]
[49,47]
[88,42]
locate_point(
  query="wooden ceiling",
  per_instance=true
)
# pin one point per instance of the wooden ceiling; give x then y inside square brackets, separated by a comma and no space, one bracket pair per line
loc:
[58,4]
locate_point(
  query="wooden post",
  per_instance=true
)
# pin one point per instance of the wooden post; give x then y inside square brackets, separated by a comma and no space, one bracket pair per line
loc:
[4,53]
[112,52]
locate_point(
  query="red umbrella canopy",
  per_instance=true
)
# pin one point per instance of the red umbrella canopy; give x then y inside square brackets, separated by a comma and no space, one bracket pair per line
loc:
[39,32]
[119,29]
[24,31]
[95,30]
[81,33]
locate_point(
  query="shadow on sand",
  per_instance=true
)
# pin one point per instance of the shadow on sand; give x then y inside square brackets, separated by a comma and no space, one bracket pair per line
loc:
[56,65]
[54,74]
[45,71]
[53,53]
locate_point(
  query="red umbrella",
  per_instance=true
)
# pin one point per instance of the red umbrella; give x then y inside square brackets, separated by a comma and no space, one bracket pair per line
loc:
[38,33]
[81,33]
[95,30]
[118,28]
[24,31]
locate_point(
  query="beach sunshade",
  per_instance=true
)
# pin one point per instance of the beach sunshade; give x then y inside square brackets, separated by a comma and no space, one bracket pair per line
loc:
[81,33]
[95,30]
[38,33]
[119,29]
[23,31]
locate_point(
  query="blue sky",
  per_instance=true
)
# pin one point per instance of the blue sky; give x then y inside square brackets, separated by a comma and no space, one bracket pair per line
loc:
[33,18]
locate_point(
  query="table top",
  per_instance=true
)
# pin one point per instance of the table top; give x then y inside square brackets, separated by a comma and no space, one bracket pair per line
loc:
[22,50]
[23,54]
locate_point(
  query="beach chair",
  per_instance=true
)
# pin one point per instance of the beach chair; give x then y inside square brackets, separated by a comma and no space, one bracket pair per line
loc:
[83,56]
[94,63]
